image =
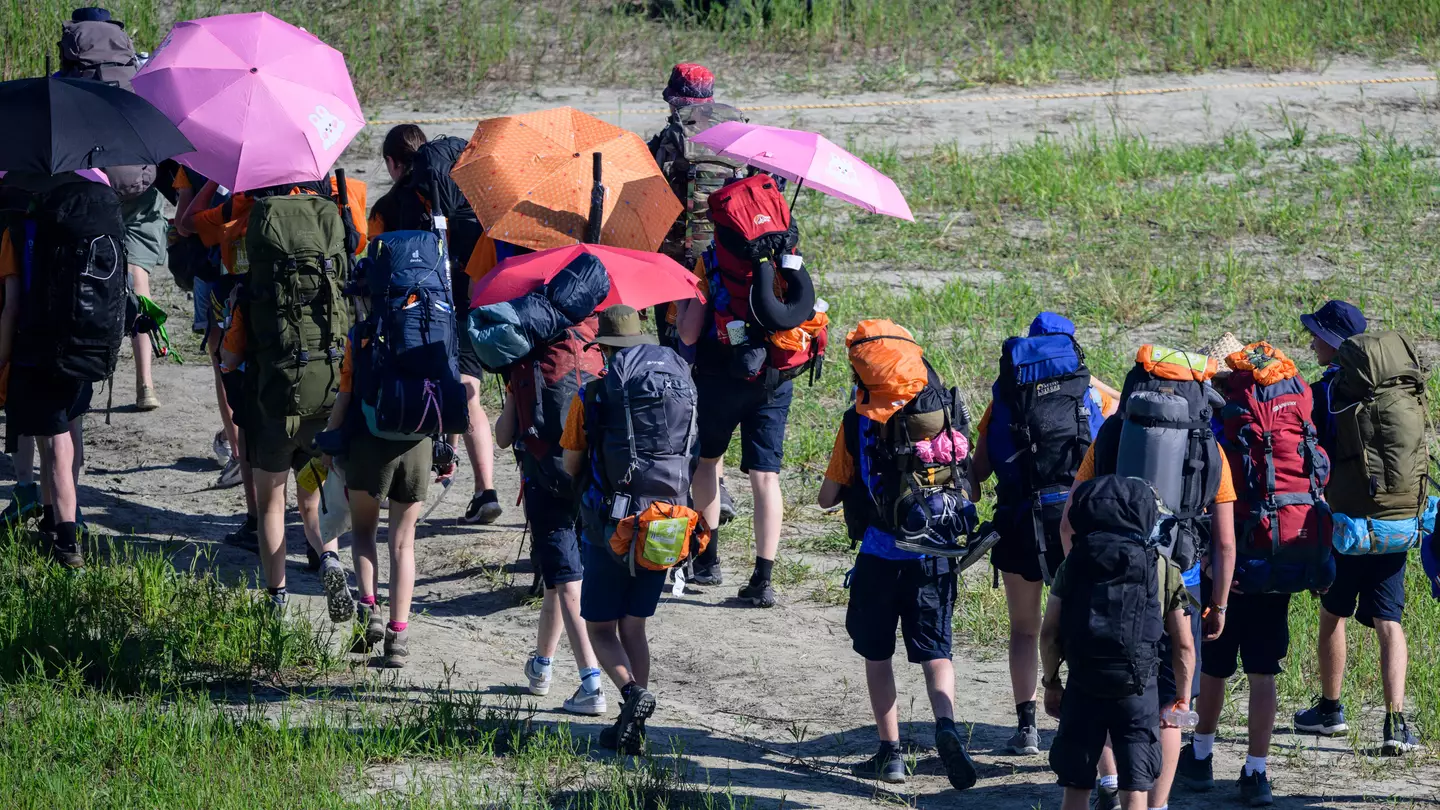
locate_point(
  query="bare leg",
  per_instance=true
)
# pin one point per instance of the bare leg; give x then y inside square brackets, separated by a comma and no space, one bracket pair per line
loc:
[57,456]
[705,490]
[1022,601]
[77,440]
[1170,744]
[270,495]
[568,599]
[880,683]
[1263,707]
[479,442]
[605,639]
[1212,702]
[1106,766]
[547,639]
[309,503]
[402,558]
[940,686]
[1394,661]
[769,509]
[364,523]
[1075,799]
[637,648]
[24,460]
[1132,800]
[140,280]
[1332,654]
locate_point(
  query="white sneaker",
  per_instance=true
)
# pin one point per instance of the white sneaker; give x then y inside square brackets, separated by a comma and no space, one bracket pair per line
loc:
[221,448]
[583,702]
[230,476]
[539,677]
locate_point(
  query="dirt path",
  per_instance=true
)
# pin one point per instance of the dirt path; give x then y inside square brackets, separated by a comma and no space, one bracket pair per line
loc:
[771,703]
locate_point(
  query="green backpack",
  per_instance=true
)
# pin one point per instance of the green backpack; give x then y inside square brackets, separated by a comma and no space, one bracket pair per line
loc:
[1378,403]
[298,316]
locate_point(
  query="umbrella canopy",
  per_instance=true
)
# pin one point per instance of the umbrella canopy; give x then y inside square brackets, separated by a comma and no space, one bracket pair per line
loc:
[62,125]
[529,179]
[265,103]
[637,278]
[808,159]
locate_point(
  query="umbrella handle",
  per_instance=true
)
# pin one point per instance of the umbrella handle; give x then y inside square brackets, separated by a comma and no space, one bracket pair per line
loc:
[340,187]
[799,184]
[597,205]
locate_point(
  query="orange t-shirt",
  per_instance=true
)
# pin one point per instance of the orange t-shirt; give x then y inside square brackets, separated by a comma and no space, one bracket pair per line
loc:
[573,438]
[1225,494]
[213,228]
[841,469]
[482,260]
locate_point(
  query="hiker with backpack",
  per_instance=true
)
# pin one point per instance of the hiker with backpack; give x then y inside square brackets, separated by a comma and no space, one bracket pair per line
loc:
[423,190]
[1370,411]
[399,385]
[1162,434]
[1282,547]
[1044,413]
[1114,598]
[899,468]
[759,328]
[94,45]
[631,438]
[62,258]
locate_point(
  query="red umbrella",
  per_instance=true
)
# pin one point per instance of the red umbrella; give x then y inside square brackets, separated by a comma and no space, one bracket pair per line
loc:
[637,278]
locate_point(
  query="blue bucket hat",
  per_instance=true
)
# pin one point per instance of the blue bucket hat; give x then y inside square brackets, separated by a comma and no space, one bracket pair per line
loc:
[90,14]
[1335,322]
[1049,323]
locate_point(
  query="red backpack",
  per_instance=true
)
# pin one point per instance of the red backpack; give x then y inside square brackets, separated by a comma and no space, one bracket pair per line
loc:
[765,326]
[543,384]
[1274,450]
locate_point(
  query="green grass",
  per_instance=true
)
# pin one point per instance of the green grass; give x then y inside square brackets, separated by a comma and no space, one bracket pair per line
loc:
[449,48]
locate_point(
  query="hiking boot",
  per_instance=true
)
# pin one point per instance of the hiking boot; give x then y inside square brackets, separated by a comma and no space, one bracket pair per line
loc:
[589,704]
[539,677]
[1024,742]
[727,505]
[484,508]
[397,648]
[67,557]
[337,590]
[759,595]
[1105,798]
[1255,789]
[374,629]
[246,537]
[220,446]
[279,604]
[24,504]
[958,764]
[312,558]
[885,766]
[1317,720]
[230,475]
[638,707]
[610,738]
[146,400]
[1399,740]
[1194,773]
[706,575]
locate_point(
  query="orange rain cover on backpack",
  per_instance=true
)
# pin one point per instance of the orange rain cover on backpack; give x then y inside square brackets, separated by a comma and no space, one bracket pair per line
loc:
[889,368]
[1173,364]
[1269,364]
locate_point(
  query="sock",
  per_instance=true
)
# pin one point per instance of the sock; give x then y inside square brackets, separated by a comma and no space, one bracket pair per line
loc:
[368,600]
[1110,781]
[67,536]
[1328,705]
[1161,807]
[1025,714]
[627,689]
[398,627]
[278,596]
[329,555]
[590,680]
[47,519]
[944,724]
[1204,745]
[763,567]
[1253,765]
[543,662]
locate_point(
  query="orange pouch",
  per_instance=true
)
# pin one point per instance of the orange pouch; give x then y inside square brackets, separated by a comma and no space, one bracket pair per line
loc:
[658,538]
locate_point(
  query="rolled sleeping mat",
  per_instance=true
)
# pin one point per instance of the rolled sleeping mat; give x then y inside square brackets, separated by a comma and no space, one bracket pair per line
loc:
[1152,446]
[773,313]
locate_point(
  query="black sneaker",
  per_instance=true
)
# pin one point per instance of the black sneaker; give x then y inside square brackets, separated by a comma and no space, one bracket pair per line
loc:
[246,537]
[727,505]
[1399,740]
[885,766]
[1104,798]
[1255,789]
[1196,774]
[1316,720]
[958,765]
[610,738]
[67,557]
[761,595]
[707,575]
[484,508]
[630,728]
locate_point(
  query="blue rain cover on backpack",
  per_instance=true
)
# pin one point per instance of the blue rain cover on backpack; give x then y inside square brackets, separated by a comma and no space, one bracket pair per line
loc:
[578,290]
[1040,368]
[411,385]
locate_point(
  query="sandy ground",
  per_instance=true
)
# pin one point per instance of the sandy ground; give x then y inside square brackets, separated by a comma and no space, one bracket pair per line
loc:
[771,703]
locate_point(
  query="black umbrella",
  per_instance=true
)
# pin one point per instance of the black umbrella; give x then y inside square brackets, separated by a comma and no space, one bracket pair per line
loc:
[61,125]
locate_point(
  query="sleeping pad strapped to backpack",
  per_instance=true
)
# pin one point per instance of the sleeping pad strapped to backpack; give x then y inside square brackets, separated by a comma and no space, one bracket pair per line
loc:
[410,385]
[644,446]
[1162,434]
[1282,526]
[1042,421]
[298,315]
[764,326]
[543,384]
[71,243]
[1378,481]
[507,332]
[1110,619]
[911,451]
[694,173]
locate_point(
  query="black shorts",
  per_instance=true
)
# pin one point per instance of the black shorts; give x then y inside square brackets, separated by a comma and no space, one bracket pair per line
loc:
[1368,587]
[918,595]
[234,384]
[1018,551]
[270,448]
[1257,630]
[1166,678]
[726,403]
[553,535]
[469,360]
[1132,724]
[43,403]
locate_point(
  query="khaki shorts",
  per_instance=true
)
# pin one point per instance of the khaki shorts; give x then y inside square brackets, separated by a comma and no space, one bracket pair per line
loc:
[268,448]
[386,468]
[145,230]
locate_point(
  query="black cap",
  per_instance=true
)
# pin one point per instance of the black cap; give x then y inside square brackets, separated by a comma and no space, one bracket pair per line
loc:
[90,14]
[1335,322]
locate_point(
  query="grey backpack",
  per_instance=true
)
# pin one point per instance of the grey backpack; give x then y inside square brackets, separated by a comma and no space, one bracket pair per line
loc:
[102,51]
[642,425]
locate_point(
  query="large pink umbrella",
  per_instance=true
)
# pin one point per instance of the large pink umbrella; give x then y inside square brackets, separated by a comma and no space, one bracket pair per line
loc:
[264,102]
[810,160]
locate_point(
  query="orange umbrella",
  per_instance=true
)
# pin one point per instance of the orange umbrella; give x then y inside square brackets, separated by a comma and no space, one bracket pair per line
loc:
[529,178]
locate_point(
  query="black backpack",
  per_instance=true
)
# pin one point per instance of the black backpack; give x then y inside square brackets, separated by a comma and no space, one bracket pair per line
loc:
[1110,620]
[71,240]
[431,183]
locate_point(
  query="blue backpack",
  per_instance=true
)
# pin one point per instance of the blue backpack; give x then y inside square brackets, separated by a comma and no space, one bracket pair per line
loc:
[409,384]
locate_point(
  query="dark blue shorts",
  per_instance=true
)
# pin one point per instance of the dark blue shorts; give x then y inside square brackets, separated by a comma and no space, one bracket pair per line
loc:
[608,593]
[1132,724]
[1368,587]
[1166,679]
[726,403]
[43,403]
[909,593]
[1257,630]
[554,539]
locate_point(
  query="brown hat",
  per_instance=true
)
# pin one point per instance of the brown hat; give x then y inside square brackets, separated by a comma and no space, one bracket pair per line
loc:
[1222,347]
[620,327]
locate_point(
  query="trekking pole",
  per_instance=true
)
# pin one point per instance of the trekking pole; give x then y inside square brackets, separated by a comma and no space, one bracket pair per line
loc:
[597,206]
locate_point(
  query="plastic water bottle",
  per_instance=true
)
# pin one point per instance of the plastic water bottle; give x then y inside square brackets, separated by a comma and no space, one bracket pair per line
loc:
[1186,719]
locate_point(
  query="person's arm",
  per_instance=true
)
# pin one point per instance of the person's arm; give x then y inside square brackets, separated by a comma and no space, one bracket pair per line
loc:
[201,202]
[1067,532]
[690,320]
[1112,397]
[830,493]
[9,316]
[505,425]
[979,463]
[1182,644]
[574,461]
[1051,655]
[1222,567]
[183,198]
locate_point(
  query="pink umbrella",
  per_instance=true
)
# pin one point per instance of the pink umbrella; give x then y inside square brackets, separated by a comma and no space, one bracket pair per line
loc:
[810,160]
[264,102]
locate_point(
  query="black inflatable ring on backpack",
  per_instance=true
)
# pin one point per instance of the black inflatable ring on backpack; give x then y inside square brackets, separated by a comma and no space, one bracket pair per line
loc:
[769,311]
